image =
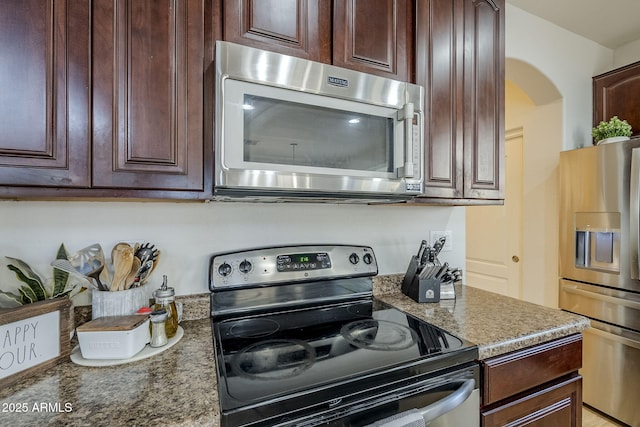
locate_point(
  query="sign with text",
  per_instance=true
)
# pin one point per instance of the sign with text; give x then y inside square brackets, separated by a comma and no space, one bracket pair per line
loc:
[33,338]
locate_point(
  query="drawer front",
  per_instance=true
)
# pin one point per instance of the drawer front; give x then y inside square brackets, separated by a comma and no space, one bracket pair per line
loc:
[558,404]
[515,372]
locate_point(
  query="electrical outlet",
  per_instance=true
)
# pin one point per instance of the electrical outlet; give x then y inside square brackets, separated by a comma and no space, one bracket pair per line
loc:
[448,244]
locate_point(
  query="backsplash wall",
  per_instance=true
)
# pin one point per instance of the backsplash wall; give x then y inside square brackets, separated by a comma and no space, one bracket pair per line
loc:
[189,233]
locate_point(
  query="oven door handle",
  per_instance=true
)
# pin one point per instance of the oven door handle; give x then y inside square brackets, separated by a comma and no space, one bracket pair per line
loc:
[449,403]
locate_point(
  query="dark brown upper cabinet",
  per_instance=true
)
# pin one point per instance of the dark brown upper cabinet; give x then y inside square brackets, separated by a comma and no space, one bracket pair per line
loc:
[300,28]
[45,95]
[439,68]
[309,28]
[460,62]
[107,98]
[616,94]
[148,71]
[111,98]
[375,37]
[484,164]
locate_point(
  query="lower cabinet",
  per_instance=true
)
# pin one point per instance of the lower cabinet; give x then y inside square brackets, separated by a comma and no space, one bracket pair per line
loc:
[537,386]
[556,404]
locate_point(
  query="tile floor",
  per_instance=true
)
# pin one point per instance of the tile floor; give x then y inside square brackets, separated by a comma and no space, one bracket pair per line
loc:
[591,418]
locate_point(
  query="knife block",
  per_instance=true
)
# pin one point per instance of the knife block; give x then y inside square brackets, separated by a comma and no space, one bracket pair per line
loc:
[419,290]
[424,290]
[410,275]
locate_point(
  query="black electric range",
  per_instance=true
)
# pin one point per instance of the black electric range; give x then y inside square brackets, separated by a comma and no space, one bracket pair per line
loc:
[300,340]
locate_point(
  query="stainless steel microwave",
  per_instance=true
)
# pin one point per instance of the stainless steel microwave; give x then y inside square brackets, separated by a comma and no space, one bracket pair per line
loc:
[293,129]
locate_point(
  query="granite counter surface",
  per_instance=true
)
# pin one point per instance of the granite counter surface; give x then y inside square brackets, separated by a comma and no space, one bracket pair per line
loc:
[178,386]
[496,323]
[174,388]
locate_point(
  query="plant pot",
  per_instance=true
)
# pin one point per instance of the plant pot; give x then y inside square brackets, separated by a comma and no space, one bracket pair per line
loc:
[613,139]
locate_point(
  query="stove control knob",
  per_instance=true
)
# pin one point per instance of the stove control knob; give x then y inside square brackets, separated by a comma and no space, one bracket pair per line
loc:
[367,258]
[225,269]
[354,258]
[245,266]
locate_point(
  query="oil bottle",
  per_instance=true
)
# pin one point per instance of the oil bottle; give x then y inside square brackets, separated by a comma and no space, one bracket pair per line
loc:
[165,299]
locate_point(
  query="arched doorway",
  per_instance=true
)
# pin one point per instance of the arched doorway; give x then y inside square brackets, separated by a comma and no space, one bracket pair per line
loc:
[525,264]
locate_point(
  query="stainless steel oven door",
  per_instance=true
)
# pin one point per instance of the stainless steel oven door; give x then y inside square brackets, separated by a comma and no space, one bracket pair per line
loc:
[448,400]
[460,408]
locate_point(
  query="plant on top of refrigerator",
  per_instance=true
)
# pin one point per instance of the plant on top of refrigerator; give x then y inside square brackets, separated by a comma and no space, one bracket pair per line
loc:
[614,127]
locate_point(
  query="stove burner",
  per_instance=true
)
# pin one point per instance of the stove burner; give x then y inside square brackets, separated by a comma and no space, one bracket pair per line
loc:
[274,359]
[379,335]
[253,328]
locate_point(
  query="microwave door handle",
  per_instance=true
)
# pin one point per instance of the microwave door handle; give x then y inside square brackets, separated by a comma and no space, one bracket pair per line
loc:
[634,213]
[406,115]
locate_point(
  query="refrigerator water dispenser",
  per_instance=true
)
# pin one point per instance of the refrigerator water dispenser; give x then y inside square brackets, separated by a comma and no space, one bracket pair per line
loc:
[597,241]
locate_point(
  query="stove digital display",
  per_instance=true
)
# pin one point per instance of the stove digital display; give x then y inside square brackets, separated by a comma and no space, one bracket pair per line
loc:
[299,262]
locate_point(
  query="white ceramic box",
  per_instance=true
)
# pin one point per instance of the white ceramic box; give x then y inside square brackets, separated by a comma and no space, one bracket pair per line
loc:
[113,337]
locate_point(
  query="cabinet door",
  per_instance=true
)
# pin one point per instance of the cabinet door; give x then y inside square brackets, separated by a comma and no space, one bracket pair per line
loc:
[44,95]
[374,36]
[300,28]
[148,68]
[512,373]
[484,99]
[559,404]
[439,44]
[616,94]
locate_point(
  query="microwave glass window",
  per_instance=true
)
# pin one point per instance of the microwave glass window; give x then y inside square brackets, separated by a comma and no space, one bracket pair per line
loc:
[283,132]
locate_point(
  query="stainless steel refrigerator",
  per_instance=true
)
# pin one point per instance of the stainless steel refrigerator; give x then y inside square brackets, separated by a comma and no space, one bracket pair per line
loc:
[599,270]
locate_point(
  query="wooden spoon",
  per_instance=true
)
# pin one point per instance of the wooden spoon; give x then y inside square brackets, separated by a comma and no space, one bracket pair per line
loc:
[122,259]
[135,267]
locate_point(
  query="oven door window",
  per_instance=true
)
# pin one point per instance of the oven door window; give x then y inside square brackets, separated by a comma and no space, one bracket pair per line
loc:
[285,130]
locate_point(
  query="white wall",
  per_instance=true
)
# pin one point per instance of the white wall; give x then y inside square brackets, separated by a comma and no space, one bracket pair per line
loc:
[565,63]
[188,233]
[568,60]
[627,54]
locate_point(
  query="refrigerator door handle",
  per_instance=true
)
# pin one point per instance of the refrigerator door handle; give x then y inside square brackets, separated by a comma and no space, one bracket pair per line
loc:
[572,289]
[634,213]
[614,337]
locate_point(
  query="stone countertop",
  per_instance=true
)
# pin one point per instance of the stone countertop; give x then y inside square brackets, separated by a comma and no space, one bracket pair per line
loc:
[496,323]
[178,386]
[174,388]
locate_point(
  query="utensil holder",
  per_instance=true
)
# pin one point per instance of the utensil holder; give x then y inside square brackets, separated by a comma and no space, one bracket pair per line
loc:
[119,303]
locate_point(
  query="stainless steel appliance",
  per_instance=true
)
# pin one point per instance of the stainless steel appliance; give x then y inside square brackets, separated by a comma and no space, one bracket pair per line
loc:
[300,341]
[289,128]
[599,247]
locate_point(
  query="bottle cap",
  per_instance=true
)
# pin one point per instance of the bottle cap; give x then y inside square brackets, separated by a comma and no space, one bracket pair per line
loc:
[164,291]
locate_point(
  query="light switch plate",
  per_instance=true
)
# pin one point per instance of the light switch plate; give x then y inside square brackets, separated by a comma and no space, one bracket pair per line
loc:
[448,244]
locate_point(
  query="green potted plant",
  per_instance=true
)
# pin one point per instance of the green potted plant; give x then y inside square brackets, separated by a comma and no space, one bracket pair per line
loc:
[612,131]
[35,287]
